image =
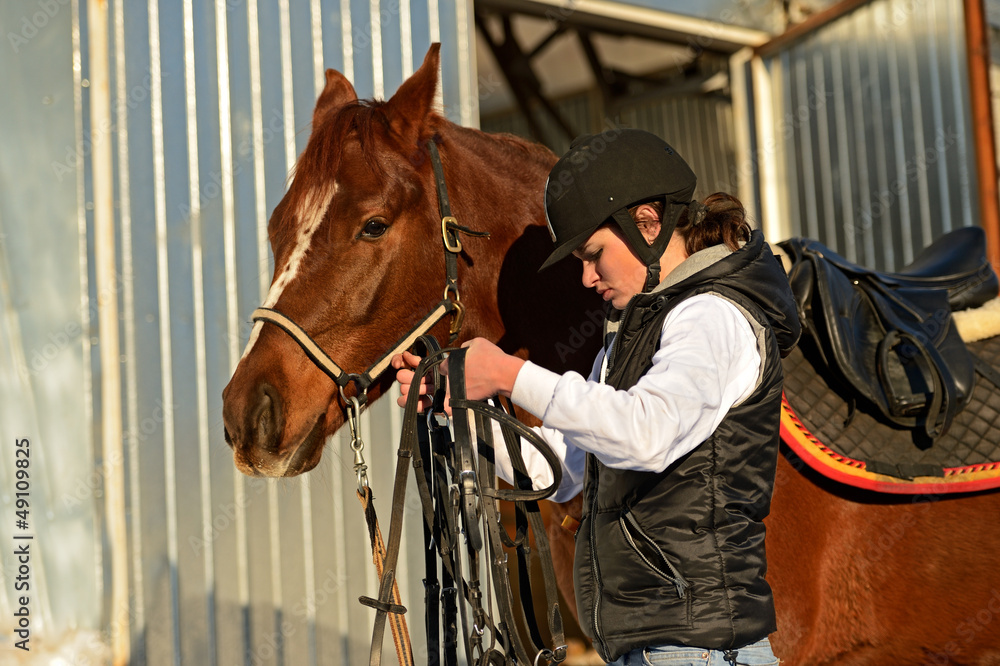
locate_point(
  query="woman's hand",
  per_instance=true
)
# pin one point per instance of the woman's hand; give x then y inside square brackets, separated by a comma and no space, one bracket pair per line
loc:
[405,365]
[488,369]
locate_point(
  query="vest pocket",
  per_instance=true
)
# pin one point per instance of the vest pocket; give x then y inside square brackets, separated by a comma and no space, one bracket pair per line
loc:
[650,552]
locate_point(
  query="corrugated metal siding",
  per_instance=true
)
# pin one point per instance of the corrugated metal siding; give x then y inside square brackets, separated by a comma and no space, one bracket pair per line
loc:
[45,336]
[874,132]
[699,127]
[212,101]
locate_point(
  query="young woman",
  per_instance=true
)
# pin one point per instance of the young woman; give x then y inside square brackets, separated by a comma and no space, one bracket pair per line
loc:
[673,438]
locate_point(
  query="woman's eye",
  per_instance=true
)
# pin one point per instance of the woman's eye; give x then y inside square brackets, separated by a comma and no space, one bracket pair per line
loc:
[374,228]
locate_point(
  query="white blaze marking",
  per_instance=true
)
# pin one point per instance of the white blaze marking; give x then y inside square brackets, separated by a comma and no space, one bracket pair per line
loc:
[309,216]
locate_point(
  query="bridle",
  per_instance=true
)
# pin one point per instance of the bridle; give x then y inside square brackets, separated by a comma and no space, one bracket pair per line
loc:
[458,495]
[450,304]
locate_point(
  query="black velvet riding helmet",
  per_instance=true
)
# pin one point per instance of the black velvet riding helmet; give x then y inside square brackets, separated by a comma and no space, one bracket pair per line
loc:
[601,177]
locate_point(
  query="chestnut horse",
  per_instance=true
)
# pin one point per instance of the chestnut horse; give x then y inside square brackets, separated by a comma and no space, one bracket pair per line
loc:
[858,578]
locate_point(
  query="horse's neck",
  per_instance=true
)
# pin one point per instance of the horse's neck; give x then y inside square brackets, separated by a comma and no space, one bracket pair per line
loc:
[548,316]
[504,174]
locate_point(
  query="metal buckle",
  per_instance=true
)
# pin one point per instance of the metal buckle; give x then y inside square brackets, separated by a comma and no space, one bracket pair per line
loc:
[451,243]
[362,392]
[543,654]
[357,444]
[456,323]
[467,478]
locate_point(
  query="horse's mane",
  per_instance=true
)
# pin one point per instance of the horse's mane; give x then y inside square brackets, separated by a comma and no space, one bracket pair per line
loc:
[510,148]
[516,146]
[367,120]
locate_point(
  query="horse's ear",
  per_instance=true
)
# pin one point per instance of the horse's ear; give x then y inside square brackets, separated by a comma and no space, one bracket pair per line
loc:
[413,103]
[337,92]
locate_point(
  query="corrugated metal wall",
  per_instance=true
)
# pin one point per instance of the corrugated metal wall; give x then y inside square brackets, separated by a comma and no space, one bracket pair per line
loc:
[873,131]
[700,127]
[211,103]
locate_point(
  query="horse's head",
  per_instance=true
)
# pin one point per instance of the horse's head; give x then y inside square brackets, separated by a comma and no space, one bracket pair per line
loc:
[359,261]
[354,263]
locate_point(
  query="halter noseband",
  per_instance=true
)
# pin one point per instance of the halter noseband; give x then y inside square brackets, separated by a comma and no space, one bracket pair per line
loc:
[449,304]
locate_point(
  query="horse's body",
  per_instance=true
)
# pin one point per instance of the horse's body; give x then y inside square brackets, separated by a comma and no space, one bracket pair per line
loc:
[858,578]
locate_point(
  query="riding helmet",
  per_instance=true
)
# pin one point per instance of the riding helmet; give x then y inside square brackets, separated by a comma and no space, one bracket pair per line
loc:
[605,174]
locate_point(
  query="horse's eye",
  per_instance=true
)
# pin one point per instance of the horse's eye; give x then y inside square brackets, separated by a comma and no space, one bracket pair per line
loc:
[374,228]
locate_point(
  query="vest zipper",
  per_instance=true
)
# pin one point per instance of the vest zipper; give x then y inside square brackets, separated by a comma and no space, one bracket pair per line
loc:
[597,573]
[621,327]
[674,576]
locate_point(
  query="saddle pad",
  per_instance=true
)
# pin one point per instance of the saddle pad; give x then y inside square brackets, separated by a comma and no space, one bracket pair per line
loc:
[868,452]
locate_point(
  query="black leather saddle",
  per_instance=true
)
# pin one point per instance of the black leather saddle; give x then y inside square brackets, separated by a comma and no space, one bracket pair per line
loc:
[888,338]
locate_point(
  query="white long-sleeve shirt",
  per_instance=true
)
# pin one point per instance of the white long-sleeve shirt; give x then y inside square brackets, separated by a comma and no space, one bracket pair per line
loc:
[707,362]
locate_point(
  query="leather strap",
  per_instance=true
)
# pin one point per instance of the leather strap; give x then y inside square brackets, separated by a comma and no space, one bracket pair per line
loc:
[445,487]
[467,483]
[986,370]
[400,633]
[449,304]
[943,405]
[407,445]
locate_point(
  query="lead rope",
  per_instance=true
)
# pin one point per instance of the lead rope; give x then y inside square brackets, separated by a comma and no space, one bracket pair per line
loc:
[397,623]
[459,517]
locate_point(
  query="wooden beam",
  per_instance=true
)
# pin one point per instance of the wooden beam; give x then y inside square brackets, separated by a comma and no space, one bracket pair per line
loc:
[809,26]
[978,47]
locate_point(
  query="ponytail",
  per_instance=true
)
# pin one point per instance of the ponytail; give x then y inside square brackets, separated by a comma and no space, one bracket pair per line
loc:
[724,221]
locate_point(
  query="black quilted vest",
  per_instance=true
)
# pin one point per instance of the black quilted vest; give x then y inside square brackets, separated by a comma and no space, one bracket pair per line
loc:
[677,558]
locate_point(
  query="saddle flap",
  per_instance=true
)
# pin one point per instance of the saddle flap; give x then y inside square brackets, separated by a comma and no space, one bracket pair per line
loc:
[845,327]
[898,348]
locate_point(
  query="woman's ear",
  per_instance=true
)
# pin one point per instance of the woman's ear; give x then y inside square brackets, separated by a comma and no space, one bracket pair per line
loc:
[648,221]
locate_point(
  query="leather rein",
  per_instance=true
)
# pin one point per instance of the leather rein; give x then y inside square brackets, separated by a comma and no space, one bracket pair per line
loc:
[457,491]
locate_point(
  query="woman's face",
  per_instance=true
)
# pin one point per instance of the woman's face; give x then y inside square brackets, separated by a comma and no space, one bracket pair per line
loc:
[614,270]
[610,266]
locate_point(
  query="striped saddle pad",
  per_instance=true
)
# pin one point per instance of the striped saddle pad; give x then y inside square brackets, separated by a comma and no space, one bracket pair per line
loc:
[851,442]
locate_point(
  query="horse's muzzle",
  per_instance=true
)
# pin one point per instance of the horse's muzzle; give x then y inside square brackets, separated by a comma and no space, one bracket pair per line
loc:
[254,429]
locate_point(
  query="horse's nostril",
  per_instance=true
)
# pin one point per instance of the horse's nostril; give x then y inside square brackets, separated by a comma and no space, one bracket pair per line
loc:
[265,416]
[229,438]
[267,422]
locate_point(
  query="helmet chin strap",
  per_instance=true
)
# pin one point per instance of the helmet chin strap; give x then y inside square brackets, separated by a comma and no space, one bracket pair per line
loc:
[652,277]
[649,253]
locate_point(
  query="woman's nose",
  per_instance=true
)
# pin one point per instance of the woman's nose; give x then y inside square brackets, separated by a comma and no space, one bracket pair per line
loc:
[589,275]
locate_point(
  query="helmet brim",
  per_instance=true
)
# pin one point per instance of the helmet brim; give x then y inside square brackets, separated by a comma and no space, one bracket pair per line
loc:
[565,249]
